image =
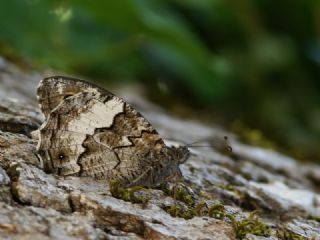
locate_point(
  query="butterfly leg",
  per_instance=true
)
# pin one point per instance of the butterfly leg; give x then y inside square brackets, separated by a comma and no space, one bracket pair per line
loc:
[140,177]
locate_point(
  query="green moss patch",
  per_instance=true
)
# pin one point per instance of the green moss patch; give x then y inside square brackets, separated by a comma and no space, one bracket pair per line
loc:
[179,193]
[250,225]
[127,194]
[178,211]
[285,234]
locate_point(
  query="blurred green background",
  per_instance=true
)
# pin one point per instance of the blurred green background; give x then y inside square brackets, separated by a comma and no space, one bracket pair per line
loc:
[251,66]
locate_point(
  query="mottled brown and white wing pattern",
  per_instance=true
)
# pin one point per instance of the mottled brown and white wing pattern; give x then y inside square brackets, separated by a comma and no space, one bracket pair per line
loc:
[53,90]
[91,132]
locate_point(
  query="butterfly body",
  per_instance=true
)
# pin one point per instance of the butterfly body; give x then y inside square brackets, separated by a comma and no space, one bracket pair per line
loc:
[89,131]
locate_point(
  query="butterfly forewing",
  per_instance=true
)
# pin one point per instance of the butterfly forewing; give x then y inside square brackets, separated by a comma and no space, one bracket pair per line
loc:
[53,90]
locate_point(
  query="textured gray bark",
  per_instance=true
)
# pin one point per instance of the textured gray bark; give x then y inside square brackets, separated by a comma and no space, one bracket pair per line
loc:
[36,205]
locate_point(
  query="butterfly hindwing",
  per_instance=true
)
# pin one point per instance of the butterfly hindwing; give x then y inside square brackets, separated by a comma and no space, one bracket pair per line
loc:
[91,132]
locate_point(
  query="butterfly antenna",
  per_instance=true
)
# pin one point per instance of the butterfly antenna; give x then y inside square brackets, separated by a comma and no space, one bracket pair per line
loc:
[195,142]
[215,142]
[207,139]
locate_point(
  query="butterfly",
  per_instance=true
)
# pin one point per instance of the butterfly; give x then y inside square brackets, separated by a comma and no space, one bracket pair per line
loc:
[89,131]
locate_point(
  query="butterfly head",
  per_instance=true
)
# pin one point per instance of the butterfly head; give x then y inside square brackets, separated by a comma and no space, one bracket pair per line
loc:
[180,154]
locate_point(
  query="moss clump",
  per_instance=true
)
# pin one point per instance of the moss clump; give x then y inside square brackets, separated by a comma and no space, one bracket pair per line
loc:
[177,211]
[201,209]
[251,225]
[227,187]
[182,195]
[216,211]
[127,194]
[179,193]
[188,214]
[285,234]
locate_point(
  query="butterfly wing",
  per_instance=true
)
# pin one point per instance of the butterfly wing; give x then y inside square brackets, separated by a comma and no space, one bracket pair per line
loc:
[53,90]
[91,132]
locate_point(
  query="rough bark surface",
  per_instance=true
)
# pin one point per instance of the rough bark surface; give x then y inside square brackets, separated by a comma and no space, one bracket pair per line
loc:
[225,189]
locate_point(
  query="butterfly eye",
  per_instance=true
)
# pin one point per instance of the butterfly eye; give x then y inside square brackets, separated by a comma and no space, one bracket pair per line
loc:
[61,156]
